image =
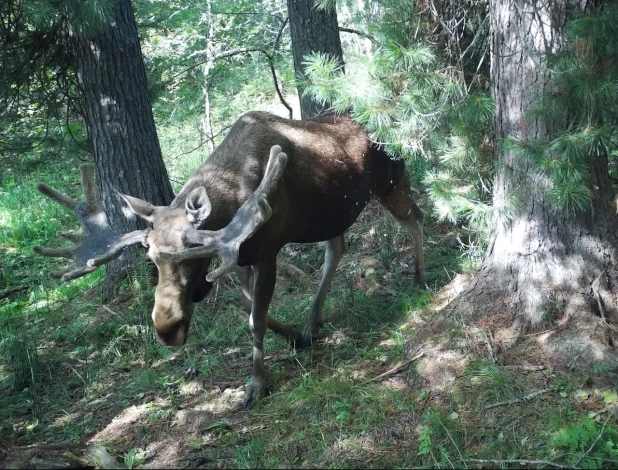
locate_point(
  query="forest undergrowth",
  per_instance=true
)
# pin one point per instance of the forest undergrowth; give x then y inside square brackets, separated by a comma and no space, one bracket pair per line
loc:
[84,382]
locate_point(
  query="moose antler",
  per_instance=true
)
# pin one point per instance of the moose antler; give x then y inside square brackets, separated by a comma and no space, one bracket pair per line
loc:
[225,243]
[98,244]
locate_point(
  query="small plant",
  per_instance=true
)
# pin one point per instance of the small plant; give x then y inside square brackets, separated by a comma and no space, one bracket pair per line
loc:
[134,458]
[194,442]
[342,410]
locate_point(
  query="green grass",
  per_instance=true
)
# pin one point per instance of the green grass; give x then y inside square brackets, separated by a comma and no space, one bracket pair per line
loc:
[71,368]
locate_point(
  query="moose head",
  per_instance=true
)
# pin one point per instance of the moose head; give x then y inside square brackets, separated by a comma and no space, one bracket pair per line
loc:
[285,181]
[174,243]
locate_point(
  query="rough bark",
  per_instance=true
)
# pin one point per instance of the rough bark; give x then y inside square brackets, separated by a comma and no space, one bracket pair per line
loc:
[112,79]
[544,270]
[312,30]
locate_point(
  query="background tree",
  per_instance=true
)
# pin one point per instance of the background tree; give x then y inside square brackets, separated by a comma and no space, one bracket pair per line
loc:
[552,252]
[313,30]
[97,43]
[114,87]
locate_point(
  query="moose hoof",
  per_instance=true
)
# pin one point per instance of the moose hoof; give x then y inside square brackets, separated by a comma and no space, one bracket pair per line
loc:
[254,393]
[303,341]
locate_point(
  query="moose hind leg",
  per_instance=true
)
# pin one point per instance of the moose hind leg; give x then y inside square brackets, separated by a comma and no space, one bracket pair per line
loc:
[400,204]
[335,248]
[246,277]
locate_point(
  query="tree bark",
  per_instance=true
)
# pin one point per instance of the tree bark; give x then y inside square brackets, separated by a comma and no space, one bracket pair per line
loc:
[544,270]
[312,30]
[112,80]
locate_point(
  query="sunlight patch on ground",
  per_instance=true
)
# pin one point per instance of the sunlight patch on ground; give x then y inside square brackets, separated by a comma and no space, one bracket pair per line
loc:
[451,291]
[191,388]
[353,449]
[122,426]
[221,402]
[441,367]
[387,344]
[65,420]
[168,454]
[5,218]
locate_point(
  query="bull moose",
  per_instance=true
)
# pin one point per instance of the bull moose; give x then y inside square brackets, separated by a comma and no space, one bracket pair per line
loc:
[271,182]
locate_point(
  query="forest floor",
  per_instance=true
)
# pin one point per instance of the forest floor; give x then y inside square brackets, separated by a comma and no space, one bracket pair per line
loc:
[84,383]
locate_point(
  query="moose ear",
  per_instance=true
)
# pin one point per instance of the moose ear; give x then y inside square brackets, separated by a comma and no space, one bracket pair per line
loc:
[143,209]
[198,205]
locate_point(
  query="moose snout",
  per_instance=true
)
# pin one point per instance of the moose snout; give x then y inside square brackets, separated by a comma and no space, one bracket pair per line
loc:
[170,333]
[173,338]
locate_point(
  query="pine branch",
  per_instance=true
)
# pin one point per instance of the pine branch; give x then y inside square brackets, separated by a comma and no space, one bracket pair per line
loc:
[358,33]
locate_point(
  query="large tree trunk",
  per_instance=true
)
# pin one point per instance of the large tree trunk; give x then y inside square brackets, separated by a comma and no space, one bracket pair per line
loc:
[544,270]
[312,30]
[112,79]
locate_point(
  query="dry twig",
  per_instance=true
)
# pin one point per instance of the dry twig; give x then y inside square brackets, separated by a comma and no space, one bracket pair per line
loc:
[530,396]
[398,368]
[524,368]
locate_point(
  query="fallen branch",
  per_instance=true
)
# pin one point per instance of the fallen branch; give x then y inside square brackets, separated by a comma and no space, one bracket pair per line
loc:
[12,290]
[102,458]
[50,446]
[534,463]
[530,396]
[294,272]
[398,368]
[110,310]
[524,368]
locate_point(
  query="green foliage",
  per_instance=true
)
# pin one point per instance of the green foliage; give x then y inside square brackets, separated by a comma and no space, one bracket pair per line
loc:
[587,443]
[439,440]
[416,107]
[90,14]
[179,59]
[133,459]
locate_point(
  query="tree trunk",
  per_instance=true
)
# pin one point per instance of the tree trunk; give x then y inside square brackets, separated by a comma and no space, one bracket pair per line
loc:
[208,63]
[312,30]
[544,271]
[112,79]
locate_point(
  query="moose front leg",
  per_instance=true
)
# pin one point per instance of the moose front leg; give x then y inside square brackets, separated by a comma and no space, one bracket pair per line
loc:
[265,275]
[246,278]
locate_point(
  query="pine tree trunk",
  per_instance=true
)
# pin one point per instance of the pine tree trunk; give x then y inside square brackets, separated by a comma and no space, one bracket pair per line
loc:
[208,64]
[112,79]
[312,30]
[544,271]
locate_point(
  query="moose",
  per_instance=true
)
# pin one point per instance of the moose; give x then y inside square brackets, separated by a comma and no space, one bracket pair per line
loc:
[271,181]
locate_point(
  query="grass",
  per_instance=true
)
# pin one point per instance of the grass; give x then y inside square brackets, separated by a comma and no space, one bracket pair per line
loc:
[73,370]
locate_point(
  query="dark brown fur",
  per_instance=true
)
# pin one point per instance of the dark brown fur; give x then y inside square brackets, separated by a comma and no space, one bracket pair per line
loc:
[327,170]
[333,171]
